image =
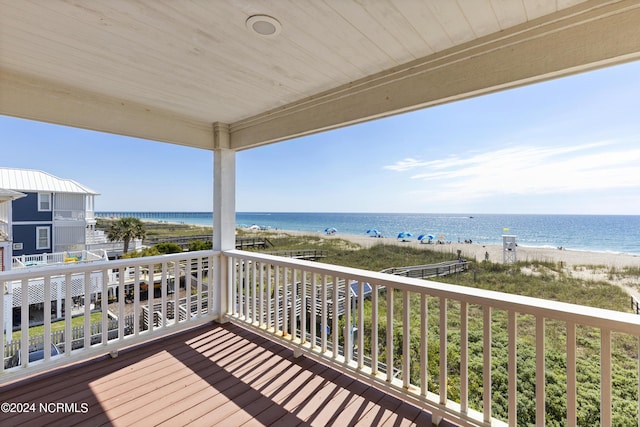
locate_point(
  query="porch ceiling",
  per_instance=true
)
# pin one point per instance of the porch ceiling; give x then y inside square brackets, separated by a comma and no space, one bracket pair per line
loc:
[167,70]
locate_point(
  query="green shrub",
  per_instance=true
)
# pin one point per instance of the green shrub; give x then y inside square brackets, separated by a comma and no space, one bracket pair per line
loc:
[199,245]
[168,248]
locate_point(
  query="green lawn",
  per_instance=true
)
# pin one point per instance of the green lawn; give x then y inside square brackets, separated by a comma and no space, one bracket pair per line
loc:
[58,326]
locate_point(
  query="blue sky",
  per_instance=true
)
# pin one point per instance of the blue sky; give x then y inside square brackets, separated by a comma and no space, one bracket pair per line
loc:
[567,146]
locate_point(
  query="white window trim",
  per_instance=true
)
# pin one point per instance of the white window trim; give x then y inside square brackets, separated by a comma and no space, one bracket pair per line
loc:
[40,197]
[48,231]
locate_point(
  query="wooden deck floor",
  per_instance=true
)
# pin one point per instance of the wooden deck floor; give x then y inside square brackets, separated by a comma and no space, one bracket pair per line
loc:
[213,375]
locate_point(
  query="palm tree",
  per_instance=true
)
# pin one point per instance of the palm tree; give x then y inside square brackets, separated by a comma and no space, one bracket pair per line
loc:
[126,229]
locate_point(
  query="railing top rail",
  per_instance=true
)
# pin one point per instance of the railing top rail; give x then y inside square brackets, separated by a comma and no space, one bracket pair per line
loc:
[578,314]
[65,268]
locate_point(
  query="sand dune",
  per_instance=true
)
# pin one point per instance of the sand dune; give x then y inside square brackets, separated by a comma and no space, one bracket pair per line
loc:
[585,265]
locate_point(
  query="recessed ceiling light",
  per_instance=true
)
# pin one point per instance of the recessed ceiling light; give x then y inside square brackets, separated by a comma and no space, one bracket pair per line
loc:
[264,25]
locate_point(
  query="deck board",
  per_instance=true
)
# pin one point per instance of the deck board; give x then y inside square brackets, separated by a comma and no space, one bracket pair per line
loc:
[212,375]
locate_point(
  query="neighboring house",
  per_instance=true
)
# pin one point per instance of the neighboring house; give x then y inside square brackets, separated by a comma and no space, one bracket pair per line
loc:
[6,231]
[55,214]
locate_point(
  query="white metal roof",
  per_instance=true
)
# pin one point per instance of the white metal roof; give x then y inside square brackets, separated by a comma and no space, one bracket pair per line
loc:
[37,181]
[6,194]
[169,70]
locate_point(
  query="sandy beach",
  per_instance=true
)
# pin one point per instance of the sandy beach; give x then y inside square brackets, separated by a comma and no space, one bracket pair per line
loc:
[477,252]
[474,251]
[580,264]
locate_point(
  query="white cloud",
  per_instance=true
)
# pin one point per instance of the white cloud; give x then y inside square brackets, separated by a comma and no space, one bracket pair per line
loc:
[406,164]
[527,170]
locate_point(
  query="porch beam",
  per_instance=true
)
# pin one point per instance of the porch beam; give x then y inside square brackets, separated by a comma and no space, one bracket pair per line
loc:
[34,98]
[588,36]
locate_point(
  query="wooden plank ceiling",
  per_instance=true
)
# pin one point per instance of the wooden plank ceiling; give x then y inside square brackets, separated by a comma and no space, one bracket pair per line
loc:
[167,70]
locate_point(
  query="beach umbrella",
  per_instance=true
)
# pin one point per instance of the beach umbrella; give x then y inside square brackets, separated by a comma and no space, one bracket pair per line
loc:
[404,235]
[424,237]
[374,232]
[330,230]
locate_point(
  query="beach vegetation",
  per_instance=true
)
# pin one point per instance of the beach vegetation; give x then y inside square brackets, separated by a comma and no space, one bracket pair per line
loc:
[631,271]
[145,252]
[161,229]
[199,245]
[159,249]
[383,256]
[168,248]
[624,368]
[286,241]
[591,267]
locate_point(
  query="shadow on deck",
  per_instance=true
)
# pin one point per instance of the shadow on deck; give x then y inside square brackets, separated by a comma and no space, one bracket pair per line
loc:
[212,375]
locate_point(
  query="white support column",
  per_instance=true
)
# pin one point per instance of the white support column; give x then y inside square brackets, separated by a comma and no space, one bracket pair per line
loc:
[224,212]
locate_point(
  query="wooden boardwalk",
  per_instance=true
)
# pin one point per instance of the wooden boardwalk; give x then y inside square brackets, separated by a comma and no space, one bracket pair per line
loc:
[209,376]
[185,241]
[429,270]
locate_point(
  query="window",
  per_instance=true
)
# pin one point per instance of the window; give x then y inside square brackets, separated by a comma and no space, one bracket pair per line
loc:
[44,201]
[43,240]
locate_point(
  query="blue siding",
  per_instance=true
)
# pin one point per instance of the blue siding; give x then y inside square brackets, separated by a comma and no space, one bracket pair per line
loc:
[26,234]
[26,209]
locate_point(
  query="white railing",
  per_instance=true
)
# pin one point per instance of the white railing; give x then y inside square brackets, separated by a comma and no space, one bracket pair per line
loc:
[94,237]
[444,343]
[459,363]
[194,273]
[117,247]
[38,260]
[77,335]
[69,215]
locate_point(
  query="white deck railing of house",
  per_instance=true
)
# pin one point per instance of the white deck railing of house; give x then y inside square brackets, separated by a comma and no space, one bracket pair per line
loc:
[193,270]
[24,261]
[69,215]
[268,295]
[292,302]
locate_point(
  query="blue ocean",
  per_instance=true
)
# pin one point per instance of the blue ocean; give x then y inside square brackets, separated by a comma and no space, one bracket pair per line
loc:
[600,233]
